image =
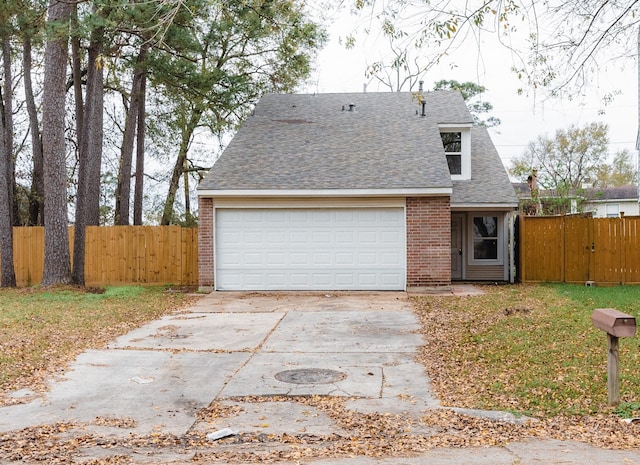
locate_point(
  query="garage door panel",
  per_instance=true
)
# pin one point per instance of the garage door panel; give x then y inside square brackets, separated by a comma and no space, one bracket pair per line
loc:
[322,280]
[300,279]
[391,279]
[389,237]
[322,216]
[344,237]
[367,237]
[344,279]
[323,237]
[345,259]
[277,258]
[253,259]
[298,237]
[299,258]
[249,238]
[297,249]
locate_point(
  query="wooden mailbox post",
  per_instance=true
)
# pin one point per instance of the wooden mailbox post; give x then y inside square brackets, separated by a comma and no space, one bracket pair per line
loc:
[616,324]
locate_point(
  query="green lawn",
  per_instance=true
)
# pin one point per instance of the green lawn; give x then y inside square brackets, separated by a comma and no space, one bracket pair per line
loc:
[529,349]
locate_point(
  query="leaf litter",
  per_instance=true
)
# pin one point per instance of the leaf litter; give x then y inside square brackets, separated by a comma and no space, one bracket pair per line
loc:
[457,381]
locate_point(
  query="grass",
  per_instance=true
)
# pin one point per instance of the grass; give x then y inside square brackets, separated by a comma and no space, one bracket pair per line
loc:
[529,349]
[43,329]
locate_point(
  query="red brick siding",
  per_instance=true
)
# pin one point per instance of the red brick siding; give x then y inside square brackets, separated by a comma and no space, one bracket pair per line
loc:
[206,267]
[428,241]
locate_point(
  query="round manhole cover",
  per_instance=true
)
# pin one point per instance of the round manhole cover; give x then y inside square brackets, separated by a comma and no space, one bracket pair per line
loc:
[310,376]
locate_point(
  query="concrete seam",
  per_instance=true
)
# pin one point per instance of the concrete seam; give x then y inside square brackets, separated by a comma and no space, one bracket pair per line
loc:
[253,353]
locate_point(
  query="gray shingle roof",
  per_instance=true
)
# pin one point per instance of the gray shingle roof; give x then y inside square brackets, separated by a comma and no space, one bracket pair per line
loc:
[313,142]
[489,182]
[613,193]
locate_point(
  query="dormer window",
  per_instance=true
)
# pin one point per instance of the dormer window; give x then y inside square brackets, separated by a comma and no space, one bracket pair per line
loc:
[457,148]
[452,142]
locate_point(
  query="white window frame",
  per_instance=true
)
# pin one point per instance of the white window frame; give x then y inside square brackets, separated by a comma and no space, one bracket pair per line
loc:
[612,214]
[465,155]
[499,260]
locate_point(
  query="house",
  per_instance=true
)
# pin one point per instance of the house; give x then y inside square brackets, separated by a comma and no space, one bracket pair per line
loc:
[357,191]
[603,202]
[612,202]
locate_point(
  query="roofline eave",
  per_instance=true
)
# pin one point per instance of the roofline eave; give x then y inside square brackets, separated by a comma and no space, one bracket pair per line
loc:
[327,193]
[507,206]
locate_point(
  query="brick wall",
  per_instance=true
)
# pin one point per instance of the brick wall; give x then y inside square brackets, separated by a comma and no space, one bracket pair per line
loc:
[206,267]
[428,241]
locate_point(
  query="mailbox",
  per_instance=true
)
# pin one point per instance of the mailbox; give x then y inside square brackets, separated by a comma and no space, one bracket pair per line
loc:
[614,322]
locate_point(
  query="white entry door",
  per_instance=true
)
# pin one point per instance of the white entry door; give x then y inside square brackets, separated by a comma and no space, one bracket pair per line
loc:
[310,249]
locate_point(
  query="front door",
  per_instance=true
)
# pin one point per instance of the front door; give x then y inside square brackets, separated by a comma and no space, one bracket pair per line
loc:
[456,246]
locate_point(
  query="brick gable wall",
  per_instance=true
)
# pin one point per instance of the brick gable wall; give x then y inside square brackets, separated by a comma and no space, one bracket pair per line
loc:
[206,267]
[428,242]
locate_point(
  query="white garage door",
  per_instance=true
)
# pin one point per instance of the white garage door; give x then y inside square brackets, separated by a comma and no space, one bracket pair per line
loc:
[310,249]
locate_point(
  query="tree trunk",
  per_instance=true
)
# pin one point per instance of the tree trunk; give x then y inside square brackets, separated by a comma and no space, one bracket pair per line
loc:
[7,118]
[178,168]
[36,196]
[90,157]
[123,189]
[76,72]
[142,121]
[188,218]
[57,268]
[7,273]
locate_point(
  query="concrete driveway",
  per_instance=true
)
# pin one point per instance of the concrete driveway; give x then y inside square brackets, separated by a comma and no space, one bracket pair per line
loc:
[232,345]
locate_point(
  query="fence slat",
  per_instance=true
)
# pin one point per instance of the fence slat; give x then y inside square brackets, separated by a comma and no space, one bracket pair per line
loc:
[577,249]
[631,246]
[541,248]
[117,255]
[603,250]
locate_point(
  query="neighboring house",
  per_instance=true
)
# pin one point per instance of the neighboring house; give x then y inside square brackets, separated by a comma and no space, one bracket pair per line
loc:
[360,191]
[611,202]
[605,202]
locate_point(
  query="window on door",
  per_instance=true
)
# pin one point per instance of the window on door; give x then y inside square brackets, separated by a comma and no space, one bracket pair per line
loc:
[486,237]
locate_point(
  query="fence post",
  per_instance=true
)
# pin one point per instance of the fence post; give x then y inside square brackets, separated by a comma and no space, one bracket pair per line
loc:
[622,249]
[613,370]
[521,245]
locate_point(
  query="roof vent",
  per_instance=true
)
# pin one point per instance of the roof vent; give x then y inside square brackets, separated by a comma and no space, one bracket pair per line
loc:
[352,107]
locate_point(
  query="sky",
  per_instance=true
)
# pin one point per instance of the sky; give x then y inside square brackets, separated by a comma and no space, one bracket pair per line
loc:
[524,118]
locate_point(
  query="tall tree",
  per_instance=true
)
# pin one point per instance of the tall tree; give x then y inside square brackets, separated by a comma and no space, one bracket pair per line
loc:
[57,267]
[90,149]
[232,53]
[123,189]
[140,147]
[7,275]
[557,46]
[7,161]
[36,195]
[620,172]
[567,161]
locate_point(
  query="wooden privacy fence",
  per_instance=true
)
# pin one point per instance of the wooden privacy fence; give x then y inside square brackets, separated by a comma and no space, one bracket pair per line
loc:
[576,249]
[117,255]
